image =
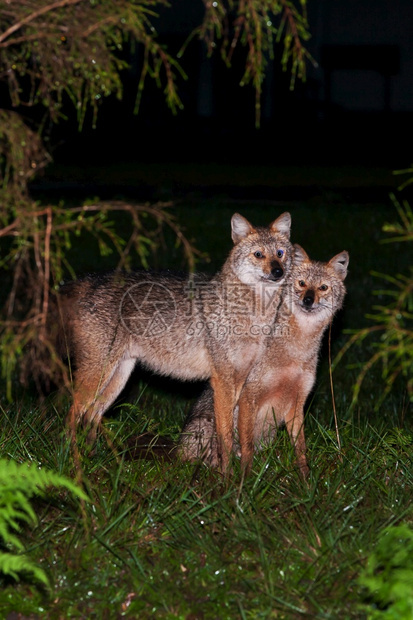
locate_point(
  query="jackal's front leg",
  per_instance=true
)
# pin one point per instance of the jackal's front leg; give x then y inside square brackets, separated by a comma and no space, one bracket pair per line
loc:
[224,403]
[294,422]
[246,421]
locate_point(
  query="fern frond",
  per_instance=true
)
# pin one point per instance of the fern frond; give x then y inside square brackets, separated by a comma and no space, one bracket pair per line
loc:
[18,484]
[13,565]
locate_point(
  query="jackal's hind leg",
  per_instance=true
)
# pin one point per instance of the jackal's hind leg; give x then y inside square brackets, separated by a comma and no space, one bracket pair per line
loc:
[93,395]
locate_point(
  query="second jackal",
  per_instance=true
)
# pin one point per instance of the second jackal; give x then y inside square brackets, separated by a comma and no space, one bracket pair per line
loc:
[279,383]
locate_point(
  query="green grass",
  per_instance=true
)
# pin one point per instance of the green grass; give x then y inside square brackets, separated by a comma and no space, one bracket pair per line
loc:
[163,539]
[174,540]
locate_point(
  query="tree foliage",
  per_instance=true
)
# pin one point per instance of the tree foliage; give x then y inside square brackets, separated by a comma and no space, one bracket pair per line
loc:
[257,26]
[391,331]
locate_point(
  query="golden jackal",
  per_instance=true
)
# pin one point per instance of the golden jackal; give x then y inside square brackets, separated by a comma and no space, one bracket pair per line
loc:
[188,328]
[279,383]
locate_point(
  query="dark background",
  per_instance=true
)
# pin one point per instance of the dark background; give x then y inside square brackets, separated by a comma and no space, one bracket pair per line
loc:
[355,106]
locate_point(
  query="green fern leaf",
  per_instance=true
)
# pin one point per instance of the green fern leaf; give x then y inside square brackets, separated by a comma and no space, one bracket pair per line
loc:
[18,484]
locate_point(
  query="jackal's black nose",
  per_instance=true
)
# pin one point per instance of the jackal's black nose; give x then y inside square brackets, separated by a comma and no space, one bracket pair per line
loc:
[277,271]
[308,299]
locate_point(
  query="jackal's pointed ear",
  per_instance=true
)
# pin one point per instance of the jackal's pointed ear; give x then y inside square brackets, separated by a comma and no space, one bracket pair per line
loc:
[240,228]
[340,263]
[300,255]
[282,224]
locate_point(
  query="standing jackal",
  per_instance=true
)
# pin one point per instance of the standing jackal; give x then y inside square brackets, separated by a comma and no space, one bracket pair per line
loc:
[189,328]
[279,383]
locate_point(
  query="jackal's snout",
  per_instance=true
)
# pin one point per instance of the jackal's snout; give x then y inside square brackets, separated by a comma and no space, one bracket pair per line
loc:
[308,298]
[277,270]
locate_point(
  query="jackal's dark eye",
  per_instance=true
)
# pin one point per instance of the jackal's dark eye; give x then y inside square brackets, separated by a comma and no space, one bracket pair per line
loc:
[280,253]
[323,287]
[301,283]
[259,254]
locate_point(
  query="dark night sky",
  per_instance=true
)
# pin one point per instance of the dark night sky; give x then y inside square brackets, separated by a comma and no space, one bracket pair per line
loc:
[357,105]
